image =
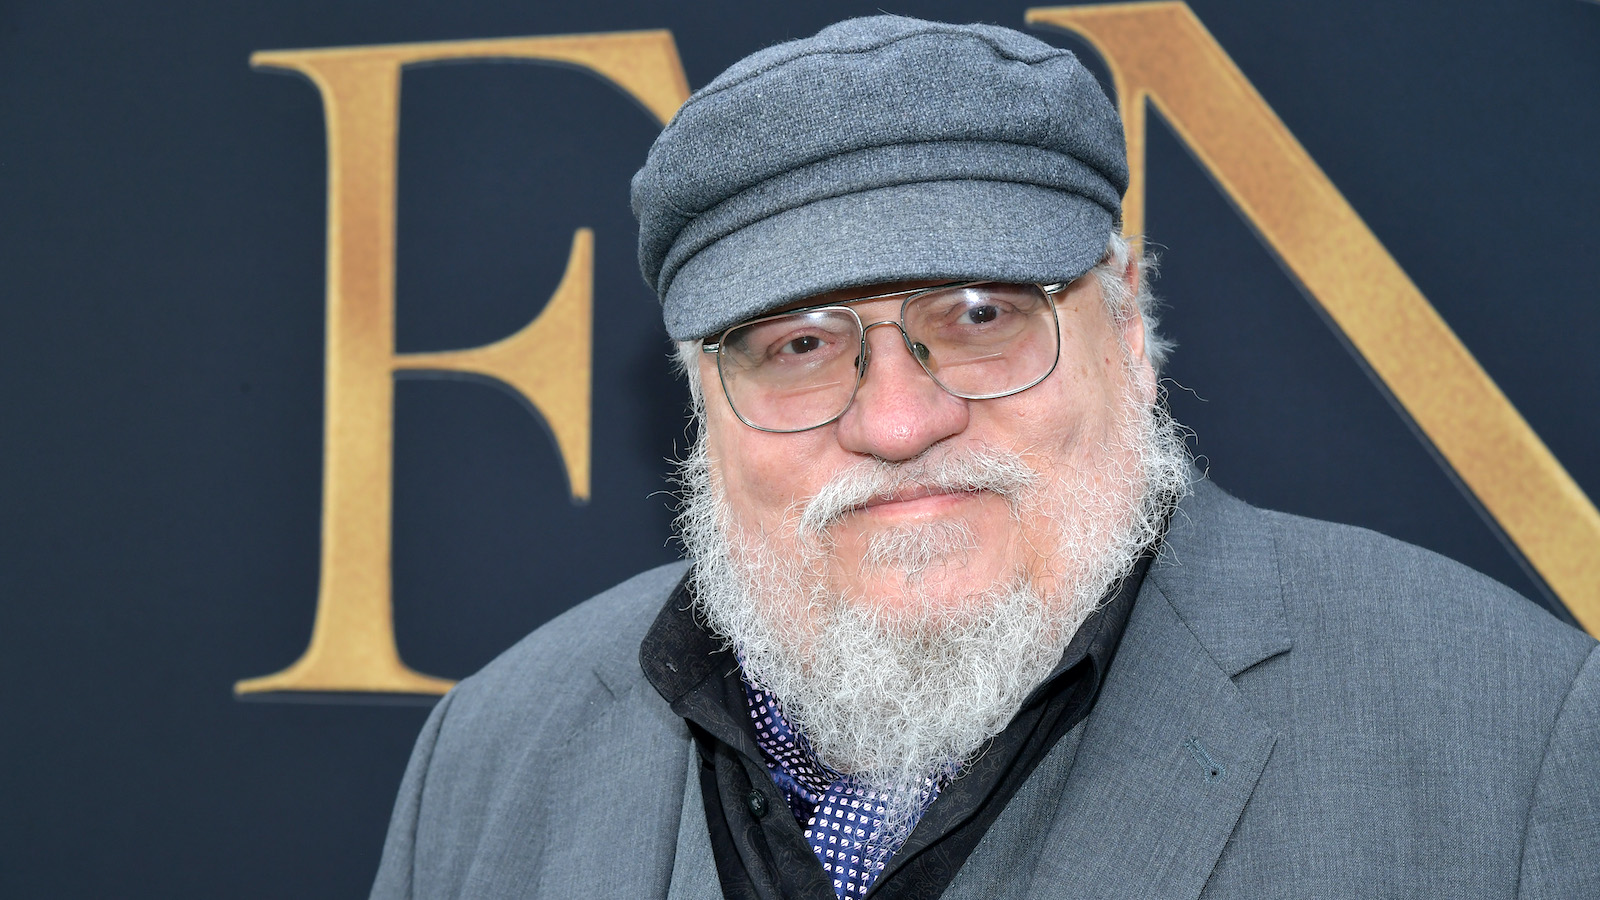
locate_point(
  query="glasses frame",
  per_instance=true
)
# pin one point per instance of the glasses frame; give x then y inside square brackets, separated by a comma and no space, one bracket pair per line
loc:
[715,347]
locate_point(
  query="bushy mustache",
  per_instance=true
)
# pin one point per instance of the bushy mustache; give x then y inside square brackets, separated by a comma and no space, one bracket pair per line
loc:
[951,471]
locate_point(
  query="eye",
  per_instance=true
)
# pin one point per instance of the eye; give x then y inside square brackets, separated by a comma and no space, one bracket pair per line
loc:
[803,344]
[980,315]
[982,307]
[800,341]
[986,314]
[808,344]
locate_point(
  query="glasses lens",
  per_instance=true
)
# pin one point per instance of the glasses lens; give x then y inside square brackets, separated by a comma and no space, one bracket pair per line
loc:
[985,340]
[790,373]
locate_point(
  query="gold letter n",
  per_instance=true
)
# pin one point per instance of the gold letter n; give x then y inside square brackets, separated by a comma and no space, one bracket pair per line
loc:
[1160,53]
[548,362]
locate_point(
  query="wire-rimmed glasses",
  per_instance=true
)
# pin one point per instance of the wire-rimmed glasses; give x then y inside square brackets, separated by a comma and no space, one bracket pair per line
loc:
[800,369]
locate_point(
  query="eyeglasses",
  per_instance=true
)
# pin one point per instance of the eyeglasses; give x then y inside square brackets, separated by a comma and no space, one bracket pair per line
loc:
[800,369]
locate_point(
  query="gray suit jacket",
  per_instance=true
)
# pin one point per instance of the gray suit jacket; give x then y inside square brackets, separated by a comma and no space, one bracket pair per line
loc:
[1297,709]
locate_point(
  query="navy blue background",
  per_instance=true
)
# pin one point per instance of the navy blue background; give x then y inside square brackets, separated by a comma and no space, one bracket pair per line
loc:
[161,268]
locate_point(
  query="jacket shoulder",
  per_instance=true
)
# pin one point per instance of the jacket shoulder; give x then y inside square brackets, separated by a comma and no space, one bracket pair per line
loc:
[1252,583]
[1378,589]
[515,748]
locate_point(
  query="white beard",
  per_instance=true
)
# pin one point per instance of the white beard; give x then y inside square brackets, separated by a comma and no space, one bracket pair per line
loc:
[903,697]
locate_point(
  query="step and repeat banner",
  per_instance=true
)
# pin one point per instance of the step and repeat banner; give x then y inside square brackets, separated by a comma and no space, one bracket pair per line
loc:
[329,372]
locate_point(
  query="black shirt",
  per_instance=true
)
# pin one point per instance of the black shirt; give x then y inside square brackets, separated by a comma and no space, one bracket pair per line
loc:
[761,850]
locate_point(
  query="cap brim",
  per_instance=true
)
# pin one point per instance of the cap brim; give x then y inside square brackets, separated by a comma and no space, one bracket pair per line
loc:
[940,230]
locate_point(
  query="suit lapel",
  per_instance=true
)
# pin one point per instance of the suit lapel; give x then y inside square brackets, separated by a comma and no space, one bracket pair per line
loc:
[1172,751]
[694,868]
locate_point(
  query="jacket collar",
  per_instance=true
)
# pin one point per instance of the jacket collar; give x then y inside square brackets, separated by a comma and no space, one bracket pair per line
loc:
[1219,570]
[1173,750]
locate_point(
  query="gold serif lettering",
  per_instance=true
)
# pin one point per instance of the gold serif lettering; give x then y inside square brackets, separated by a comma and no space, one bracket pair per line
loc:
[1160,53]
[352,645]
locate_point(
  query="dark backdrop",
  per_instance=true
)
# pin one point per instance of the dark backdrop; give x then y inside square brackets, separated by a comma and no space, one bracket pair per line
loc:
[161,269]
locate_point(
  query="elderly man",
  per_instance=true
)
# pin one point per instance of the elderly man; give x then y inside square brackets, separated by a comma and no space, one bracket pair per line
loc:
[961,621]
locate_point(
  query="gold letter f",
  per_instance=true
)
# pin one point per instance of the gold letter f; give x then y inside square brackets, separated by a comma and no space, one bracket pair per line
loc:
[548,362]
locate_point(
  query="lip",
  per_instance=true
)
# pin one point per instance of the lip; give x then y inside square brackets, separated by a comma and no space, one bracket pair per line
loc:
[915,503]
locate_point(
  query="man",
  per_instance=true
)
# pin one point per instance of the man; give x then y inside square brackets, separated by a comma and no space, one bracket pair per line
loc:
[961,620]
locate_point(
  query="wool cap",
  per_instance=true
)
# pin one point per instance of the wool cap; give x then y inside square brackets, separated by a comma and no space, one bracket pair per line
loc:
[882,149]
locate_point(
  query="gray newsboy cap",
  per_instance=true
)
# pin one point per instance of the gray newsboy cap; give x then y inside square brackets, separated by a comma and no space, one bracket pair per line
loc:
[882,149]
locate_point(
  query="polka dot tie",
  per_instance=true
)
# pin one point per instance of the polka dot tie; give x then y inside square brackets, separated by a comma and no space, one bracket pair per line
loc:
[842,817]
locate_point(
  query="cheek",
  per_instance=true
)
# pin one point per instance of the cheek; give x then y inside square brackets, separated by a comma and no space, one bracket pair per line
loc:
[763,475]
[1074,413]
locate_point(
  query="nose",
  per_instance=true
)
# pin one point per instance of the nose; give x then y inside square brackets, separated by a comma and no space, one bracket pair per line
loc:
[898,410]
